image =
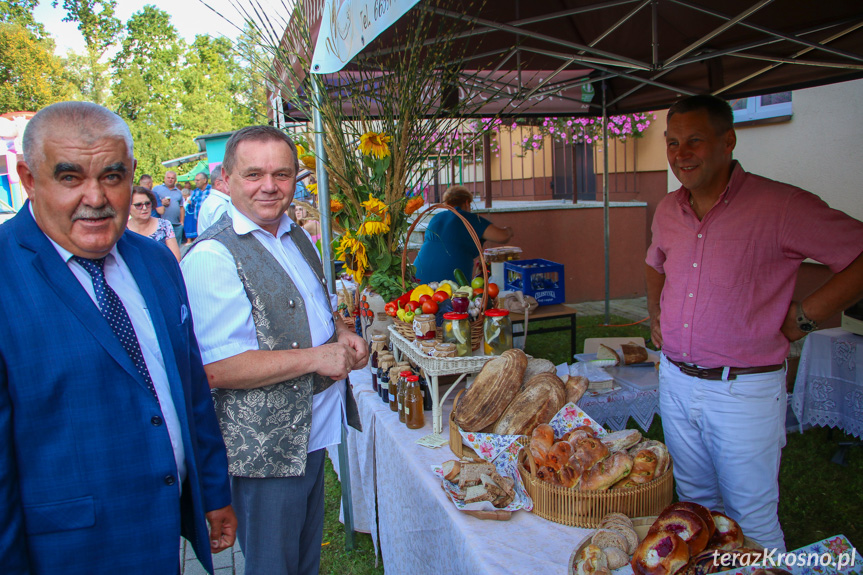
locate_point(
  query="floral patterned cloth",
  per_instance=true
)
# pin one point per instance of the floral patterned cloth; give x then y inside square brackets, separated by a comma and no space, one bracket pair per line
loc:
[164,231]
[829,387]
[831,556]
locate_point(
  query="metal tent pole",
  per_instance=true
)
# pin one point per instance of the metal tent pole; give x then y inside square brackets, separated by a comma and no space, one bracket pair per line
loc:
[330,274]
[605,201]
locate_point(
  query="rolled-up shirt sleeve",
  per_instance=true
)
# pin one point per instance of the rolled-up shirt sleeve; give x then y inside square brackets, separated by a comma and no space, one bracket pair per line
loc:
[221,310]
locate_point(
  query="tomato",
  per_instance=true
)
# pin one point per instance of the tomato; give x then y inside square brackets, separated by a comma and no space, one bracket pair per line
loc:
[440,296]
[493,290]
[412,306]
[477,282]
[424,298]
[477,291]
[430,306]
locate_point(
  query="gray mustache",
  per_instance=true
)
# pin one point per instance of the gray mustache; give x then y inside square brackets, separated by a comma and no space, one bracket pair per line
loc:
[85,212]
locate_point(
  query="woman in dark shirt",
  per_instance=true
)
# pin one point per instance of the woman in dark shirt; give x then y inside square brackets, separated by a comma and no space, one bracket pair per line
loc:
[448,244]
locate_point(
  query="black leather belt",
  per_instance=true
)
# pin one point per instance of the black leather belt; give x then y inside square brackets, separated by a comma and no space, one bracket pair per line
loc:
[715,373]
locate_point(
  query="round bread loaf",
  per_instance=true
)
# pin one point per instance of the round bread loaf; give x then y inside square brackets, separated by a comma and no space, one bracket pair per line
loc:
[535,366]
[660,553]
[728,534]
[538,403]
[700,510]
[608,538]
[491,392]
[687,525]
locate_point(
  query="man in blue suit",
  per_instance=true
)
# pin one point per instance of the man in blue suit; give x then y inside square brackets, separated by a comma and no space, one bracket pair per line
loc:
[109,445]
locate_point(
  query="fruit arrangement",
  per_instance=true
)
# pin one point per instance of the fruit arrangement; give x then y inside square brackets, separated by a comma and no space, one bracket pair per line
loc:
[441,297]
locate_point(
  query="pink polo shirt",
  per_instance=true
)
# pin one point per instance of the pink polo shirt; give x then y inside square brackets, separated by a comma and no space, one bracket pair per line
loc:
[729,278]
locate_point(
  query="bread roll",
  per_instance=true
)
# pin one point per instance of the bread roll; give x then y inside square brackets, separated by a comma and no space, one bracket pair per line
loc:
[660,553]
[700,510]
[663,460]
[576,386]
[687,525]
[541,440]
[491,392]
[607,472]
[590,451]
[547,474]
[643,468]
[621,440]
[728,535]
[538,403]
[559,455]
[590,561]
[569,476]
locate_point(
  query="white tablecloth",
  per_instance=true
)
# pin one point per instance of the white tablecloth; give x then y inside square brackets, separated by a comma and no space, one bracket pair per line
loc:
[419,529]
[829,388]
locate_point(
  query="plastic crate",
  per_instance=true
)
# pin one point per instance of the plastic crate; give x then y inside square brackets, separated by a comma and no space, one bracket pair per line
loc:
[539,278]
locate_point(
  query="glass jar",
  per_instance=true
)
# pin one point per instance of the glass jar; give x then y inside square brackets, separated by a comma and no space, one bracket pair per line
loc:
[378,345]
[414,416]
[400,393]
[497,331]
[445,350]
[385,362]
[427,346]
[393,392]
[424,326]
[456,329]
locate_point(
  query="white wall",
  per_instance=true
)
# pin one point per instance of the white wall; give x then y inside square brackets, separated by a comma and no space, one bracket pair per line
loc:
[820,149]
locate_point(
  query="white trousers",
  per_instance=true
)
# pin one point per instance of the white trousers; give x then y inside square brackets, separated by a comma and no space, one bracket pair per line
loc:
[726,439]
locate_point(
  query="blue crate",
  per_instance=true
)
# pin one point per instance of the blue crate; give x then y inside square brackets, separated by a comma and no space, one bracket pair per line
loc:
[539,278]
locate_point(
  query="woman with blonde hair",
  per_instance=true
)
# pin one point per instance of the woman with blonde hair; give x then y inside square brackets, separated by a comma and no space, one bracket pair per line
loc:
[448,244]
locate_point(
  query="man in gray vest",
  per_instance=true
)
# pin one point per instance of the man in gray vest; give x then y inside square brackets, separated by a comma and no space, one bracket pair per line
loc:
[275,355]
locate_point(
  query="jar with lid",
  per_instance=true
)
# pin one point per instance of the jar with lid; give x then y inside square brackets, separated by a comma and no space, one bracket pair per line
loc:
[427,346]
[497,331]
[393,392]
[400,392]
[424,326]
[414,416]
[456,329]
[444,350]
[379,345]
[426,392]
[385,362]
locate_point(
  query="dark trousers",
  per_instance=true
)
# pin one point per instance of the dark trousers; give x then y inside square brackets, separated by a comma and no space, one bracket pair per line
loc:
[281,520]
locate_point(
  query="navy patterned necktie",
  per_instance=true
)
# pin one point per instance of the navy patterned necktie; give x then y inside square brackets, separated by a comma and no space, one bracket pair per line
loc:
[113,310]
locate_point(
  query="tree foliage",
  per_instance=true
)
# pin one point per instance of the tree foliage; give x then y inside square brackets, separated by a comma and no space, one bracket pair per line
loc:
[31,77]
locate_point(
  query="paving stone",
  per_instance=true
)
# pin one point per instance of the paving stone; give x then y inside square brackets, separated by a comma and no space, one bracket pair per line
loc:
[193,568]
[239,563]
[223,559]
[224,571]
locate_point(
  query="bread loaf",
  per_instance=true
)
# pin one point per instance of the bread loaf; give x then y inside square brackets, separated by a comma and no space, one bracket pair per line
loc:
[728,535]
[491,392]
[687,525]
[535,366]
[575,388]
[605,352]
[623,439]
[589,451]
[541,399]
[616,558]
[700,510]
[607,472]
[633,353]
[559,455]
[660,553]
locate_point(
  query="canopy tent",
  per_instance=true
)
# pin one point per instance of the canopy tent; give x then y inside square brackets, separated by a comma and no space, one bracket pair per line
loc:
[189,176]
[649,53]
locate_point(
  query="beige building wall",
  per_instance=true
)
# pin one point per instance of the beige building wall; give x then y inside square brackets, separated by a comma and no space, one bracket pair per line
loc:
[820,149]
[646,154]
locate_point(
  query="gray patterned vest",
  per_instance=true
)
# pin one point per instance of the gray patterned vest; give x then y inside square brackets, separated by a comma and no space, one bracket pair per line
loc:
[266,430]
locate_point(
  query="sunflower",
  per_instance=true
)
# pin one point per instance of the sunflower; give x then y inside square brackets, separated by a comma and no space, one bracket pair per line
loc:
[375,144]
[308,160]
[375,206]
[313,189]
[353,253]
[414,204]
[374,227]
[335,205]
[301,151]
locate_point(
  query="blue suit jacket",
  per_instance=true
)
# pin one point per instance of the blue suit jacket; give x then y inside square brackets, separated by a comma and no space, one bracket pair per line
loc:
[85,456]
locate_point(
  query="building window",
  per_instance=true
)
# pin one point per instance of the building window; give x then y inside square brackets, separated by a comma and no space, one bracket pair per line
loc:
[762,107]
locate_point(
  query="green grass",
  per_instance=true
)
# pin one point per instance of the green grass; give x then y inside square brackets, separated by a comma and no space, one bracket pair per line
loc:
[818,498]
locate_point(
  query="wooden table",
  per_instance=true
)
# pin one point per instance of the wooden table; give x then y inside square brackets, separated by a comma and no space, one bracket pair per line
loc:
[545,313]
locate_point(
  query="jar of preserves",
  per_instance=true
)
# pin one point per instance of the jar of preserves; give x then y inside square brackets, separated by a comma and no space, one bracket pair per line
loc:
[424,326]
[445,350]
[427,346]
[414,416]
[379,345]
[456,329]
[400,393]
[393,393]
[497,331]
[385,362]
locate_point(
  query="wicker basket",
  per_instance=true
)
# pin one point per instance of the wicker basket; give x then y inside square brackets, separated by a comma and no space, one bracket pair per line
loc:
[587,508]
[475,325]
[406,330]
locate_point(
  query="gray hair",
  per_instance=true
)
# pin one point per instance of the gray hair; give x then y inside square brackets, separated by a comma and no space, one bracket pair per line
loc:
[256,134]
[91,122]
[216,173]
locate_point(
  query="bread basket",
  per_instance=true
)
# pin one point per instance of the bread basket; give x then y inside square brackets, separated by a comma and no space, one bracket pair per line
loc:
[586,508]
[476,324]
[456,444]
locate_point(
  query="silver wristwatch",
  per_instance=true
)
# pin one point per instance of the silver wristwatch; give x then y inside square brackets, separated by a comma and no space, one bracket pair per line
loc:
[805,324]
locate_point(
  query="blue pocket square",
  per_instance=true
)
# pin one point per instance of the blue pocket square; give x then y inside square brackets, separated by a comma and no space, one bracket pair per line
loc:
[184,313]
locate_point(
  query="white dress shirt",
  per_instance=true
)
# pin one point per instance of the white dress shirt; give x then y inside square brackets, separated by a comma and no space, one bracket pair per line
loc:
[223,314]
[120,278]
[212,209]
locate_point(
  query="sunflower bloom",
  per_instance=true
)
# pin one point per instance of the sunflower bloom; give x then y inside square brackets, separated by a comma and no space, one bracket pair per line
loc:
[375,206]
[308,160]
[373,227]
[301,151]
[313,189]
[375,144]
[353,253]
[414,204]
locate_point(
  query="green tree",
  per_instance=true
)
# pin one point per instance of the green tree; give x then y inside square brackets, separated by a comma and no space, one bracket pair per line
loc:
[31,77]
[147,87]
[100,28]
[254,63]
[21,12]
[210,79]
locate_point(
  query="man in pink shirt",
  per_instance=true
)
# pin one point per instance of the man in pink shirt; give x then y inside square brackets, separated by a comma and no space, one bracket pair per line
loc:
[720,276]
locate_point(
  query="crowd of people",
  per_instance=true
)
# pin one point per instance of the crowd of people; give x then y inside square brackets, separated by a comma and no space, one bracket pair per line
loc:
[112,445]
